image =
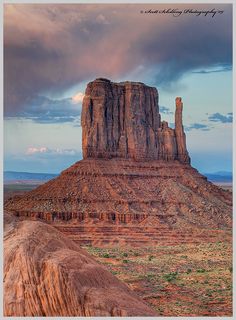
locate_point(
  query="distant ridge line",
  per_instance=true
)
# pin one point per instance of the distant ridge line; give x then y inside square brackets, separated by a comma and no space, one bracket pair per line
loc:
[15,175]
[23,175]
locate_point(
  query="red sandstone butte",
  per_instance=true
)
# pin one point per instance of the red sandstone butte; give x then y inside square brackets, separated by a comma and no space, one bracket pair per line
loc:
[123,120]
[135,168]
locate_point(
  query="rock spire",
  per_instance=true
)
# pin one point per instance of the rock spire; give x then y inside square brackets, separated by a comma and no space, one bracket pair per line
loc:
[179,132]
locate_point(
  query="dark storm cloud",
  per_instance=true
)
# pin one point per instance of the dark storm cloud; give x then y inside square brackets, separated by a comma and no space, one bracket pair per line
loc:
[191,45]
[219,69]
[197,126]
[44,110]
[218,117]
[50,48]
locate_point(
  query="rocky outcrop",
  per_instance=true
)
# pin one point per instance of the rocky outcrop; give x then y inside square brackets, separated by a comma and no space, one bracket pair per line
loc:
[47,274]
[122,120]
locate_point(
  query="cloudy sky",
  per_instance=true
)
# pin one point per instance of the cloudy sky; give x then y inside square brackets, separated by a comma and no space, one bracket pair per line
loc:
[52,51]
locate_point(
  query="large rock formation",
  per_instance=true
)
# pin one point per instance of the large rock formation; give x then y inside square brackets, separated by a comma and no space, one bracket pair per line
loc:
[47,274]
[134,167]
[135,184]
[123,120]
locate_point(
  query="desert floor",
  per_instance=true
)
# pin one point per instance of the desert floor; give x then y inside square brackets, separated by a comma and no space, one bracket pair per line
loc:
[181,280]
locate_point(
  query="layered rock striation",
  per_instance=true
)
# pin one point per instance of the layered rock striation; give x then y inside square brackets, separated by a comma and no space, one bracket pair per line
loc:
[123,120]
[124,190]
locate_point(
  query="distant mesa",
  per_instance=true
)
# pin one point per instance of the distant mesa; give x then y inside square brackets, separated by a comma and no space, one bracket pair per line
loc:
[12,176]
[122,120]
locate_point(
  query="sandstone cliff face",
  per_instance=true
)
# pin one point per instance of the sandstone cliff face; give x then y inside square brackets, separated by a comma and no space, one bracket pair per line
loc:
[123,120]
[120,120]
[47,274]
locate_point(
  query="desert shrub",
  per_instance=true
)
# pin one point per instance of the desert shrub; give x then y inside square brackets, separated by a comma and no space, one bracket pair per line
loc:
[170,276]
[209,293]
[115,272]
[125,254]
[201,270]
[150,276]
[150,258]
[189,271]
[125,261]
[106,255]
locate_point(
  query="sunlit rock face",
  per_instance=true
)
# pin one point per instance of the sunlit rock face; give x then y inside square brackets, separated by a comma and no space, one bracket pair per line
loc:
[122,120]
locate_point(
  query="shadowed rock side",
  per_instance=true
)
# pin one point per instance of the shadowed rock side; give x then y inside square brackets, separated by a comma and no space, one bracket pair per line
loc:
[123,120]
[46,274]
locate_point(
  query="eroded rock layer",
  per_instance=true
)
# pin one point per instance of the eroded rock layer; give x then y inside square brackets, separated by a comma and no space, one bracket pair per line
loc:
[123,120]
[47,274]
[122,191]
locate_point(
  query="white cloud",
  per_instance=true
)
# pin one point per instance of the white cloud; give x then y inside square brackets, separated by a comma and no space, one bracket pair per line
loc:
[33,150]
[70,152]
[77,98]
[45,110]
[45,150]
